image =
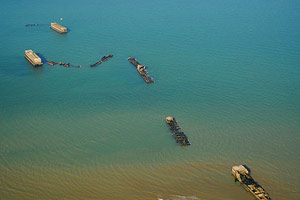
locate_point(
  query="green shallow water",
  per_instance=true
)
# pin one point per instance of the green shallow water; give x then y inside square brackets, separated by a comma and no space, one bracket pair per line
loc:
[227,70]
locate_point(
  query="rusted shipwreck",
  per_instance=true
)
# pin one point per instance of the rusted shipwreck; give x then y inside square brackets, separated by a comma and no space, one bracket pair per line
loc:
[242,174]
[104,58]
[141,70]
[180,136]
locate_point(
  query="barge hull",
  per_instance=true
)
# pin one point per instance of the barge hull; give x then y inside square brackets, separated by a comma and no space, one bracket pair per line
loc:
[34,59]
[58,28]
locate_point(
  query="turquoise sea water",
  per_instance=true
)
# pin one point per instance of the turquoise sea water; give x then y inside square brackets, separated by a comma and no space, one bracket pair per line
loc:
[227,70]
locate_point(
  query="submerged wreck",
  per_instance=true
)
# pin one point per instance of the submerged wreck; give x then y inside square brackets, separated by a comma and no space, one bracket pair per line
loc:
[29,25]
[181,138]
[141,70]
[242,174]
[104,58]
[52,63]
